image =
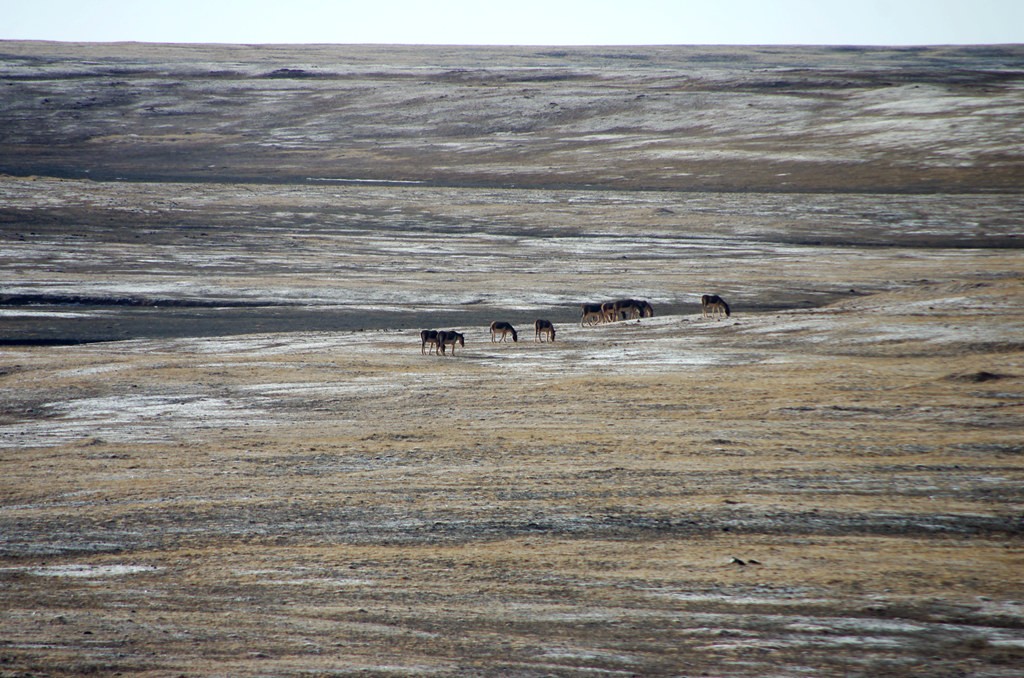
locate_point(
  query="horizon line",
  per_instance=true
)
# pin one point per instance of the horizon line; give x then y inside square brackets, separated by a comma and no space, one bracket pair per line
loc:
[851,45]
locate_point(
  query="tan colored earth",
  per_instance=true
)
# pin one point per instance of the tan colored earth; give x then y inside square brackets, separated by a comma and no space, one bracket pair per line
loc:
[224,451]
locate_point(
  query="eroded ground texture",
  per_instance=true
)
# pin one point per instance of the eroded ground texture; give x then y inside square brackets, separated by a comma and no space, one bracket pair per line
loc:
[224,451]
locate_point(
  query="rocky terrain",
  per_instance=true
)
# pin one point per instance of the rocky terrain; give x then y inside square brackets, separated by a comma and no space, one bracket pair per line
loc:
[224,453]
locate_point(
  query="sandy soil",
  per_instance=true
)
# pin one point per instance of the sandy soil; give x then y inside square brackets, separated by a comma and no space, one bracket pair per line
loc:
[223,452]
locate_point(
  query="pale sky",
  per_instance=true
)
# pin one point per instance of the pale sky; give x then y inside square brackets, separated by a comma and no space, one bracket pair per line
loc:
[519,22]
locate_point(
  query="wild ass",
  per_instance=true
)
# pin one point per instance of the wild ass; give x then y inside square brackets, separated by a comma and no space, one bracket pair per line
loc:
[628,309]
[712,304]
[542,328]
[591,313]
[428,337]
[503,328]
[450,338]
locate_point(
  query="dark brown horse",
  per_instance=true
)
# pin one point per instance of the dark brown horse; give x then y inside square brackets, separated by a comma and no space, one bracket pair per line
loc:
[591,313]
[504,329]
[627,309]
[450,338]
[543,327]
[712,304]
[429,337]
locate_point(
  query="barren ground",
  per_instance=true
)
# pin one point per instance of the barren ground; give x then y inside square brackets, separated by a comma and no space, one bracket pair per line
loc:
[223,453]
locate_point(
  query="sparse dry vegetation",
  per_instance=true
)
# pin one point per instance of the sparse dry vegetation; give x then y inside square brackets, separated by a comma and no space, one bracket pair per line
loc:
[224,454]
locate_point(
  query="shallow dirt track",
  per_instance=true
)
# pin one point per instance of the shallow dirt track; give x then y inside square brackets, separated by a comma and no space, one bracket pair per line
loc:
[223,452]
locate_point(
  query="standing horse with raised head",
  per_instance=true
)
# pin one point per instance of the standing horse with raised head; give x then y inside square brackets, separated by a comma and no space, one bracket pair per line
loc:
[712,304]
[504,329]
[543,328]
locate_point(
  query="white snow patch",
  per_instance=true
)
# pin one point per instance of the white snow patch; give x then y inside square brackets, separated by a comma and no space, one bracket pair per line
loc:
[89,571]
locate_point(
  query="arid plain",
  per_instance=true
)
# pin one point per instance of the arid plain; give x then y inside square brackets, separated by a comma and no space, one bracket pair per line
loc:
[223,452]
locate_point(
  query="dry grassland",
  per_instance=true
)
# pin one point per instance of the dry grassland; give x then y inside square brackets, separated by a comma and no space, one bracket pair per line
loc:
[338,503]
[223,453]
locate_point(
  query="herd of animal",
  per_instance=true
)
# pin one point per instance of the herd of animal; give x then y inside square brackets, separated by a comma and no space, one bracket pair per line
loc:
[712,305]
[440,339]
[620,309]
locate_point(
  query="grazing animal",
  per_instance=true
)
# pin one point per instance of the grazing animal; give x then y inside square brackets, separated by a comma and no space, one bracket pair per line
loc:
[619,309]
[714,304]
[450,338]
[543,327]
[428,337]
[628,309]
[591,313]
[504,329]
[611,311]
